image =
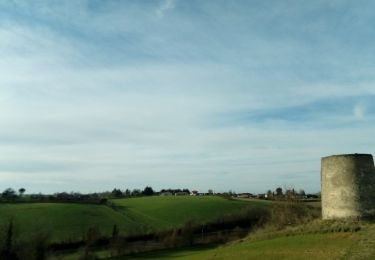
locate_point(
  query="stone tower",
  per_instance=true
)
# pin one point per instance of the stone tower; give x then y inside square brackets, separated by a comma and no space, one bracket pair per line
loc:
[348,186]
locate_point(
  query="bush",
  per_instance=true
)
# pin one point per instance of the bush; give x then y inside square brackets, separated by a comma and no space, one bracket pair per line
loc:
[12,248]
[284,214]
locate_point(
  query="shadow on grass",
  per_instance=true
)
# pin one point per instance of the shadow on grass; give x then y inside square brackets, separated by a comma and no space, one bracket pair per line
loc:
[169,253]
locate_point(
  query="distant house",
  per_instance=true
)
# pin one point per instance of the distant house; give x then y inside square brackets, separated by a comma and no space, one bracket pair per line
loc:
[244,195]
[181,193]
[312,196]
[167,193]
[261,196]
[194,193]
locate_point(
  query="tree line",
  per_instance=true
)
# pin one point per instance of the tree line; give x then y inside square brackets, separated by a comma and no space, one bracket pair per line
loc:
[289,194]
[11,195]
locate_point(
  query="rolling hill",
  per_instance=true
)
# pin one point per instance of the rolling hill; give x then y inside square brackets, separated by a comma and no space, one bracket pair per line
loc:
[70,221]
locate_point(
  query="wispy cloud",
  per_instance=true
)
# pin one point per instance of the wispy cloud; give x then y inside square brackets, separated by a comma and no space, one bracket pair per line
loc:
[213,95]
[165,6]
[359,111]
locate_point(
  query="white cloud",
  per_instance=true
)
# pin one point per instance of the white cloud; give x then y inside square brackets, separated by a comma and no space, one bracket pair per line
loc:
[152,111]
[359,111]
[165,6]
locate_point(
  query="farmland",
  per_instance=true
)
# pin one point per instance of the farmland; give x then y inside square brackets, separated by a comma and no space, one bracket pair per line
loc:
[315,240]
[60,221]
[310,238]
[310,246]
[70,221]
[158,213]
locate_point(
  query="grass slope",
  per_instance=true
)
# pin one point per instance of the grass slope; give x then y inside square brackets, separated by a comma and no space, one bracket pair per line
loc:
[157,213]
[318,240]
[60,221]
[64,221]
[309,246]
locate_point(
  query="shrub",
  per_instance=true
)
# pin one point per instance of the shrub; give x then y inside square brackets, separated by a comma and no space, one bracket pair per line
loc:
[284,214]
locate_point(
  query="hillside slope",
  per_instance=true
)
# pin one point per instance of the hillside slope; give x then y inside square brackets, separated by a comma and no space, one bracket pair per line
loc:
[70,222]
[328,245]
[157,213]
[60,221]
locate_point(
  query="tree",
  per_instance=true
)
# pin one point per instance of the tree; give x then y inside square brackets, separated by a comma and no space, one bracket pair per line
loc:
[116,193]
[187,233]
[148,191]
[117,243]
[279,192]
[136,192]
[269,194]
[290,194]
[9,194]
[21,191]
[8,251]
[92,236]
[115,231]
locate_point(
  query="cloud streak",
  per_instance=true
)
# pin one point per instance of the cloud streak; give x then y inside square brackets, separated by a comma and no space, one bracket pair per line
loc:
[164,7]
[225,95]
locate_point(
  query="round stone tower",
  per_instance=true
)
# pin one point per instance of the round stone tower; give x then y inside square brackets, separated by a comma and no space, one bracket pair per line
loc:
[348,186]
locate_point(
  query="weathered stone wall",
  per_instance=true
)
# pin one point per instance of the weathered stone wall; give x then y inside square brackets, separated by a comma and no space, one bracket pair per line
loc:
[348,186]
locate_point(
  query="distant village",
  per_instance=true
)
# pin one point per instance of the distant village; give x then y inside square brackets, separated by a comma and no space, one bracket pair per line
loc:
[102,197]
[270,195]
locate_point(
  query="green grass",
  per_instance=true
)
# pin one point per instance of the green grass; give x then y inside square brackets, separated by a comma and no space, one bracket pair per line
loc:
[158,213]
[310,246]
[60,221]
[65,221]
[315,240]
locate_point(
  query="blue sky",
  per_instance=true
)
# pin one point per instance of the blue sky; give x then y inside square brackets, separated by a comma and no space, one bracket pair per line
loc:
[223,95]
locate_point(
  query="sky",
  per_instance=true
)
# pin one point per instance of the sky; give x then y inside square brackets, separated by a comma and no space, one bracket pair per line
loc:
[224,95]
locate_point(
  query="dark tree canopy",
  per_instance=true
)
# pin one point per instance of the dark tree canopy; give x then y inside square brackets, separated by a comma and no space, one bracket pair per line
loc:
[136,192]
[116,193]
[148,191]
[9,194]
[128,193]
[22,191]
[174,191]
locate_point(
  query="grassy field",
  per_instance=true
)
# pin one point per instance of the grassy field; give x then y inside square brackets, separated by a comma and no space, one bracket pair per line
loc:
[315,240]
[157,213]
[64,221]
[309,246]
[330,245]
[60,221]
